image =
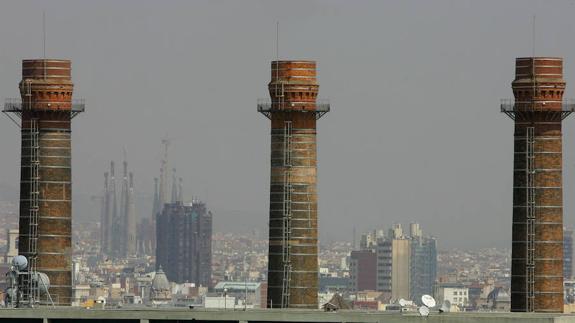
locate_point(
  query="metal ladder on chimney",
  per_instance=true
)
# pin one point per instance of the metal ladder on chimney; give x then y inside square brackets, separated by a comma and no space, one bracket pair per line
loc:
[31,292]
[530,219]
[287,215]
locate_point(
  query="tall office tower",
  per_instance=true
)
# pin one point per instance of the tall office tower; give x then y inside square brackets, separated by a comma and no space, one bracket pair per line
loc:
[184,242]
[406,265]
[46,111]
[423,266]
[537,247]
[567,253]
[293,250]
[363,270]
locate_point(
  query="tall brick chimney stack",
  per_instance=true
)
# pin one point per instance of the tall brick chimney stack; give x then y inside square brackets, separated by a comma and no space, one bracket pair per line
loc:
[537,247]
[293,249]
[46,109]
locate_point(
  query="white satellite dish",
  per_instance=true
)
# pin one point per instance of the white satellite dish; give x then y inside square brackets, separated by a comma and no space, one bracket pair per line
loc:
[402,302]
[445,307]
[43,282]
[424,311]
[20,262]
[428,301]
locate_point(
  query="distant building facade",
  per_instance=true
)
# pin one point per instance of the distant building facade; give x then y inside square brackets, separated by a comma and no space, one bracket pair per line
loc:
[11,245]
[363,270]
[249,293]
[457,294]
[405,264]
[393,266]
[423,263]
[184,242]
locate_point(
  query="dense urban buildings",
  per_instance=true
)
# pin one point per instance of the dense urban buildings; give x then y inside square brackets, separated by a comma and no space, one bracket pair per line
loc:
[537,242]
[184,243]
[404,266]
[45,229]
[293,250]
[173,259]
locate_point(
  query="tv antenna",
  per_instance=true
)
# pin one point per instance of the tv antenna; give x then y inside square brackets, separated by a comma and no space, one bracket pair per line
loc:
[533,36]
[277,40]
[44,40]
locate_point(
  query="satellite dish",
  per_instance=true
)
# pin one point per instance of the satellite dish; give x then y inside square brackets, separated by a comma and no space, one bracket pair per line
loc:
[424,311]
[445,307]
[43,282]
[402,302]
[428,301]
[20,262]
[10,294]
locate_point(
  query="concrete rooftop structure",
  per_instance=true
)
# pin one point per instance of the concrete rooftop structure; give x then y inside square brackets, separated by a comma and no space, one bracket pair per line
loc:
[156,315]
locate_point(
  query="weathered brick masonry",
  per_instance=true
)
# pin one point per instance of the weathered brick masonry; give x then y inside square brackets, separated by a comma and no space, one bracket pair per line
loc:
[537,247]
[46,90]
[293,249]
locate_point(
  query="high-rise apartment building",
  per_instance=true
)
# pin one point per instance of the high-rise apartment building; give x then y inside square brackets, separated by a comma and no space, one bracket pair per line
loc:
[400,267]
[423,266]
[405,265]
[362,267]
[184,242]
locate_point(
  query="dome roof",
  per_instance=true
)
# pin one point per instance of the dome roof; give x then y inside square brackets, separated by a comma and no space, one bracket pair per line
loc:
[160,281]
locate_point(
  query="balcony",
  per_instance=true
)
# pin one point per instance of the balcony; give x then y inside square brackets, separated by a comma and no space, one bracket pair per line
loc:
[267,107]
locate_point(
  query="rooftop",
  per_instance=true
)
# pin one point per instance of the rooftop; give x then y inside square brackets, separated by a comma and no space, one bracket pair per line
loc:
[151,315]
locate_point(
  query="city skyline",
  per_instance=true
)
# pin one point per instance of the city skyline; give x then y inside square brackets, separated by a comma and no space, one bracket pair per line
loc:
[462,181]
[417,133]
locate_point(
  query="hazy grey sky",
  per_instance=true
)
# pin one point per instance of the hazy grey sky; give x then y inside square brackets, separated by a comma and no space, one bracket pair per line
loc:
[415,132]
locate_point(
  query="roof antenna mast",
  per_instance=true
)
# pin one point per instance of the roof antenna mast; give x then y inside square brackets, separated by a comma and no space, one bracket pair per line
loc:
[277,40]
[533,36]
[44,40]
